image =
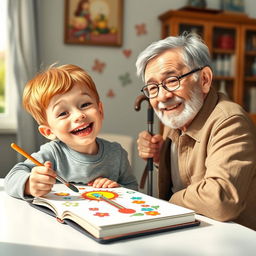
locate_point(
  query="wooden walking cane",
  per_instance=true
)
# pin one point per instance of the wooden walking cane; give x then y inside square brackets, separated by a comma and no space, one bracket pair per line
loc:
[148,171]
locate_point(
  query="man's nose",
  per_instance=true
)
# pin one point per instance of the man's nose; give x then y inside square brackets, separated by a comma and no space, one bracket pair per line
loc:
[163,94]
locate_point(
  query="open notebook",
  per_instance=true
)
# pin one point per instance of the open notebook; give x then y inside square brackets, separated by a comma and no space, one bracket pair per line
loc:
[112,214]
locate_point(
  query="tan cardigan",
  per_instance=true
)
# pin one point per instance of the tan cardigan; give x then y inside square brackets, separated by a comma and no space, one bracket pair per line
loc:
[217,163]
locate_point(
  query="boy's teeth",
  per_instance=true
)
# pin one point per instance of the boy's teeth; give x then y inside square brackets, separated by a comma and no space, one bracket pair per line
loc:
[79,129]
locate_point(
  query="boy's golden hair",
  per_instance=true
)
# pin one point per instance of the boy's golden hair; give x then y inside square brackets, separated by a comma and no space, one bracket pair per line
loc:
[39,91]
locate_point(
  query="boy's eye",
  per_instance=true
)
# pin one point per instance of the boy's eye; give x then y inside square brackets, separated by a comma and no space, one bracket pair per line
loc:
[62,114]
[84,105]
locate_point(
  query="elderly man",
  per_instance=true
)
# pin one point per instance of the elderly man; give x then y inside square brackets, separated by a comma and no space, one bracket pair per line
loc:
[207,153]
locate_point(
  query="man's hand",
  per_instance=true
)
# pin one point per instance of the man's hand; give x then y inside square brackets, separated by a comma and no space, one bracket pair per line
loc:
[149,146]
[41,180]
[101,182]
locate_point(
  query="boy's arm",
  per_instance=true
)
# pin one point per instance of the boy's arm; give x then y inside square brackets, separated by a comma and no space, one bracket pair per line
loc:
[126,178]
[16,179]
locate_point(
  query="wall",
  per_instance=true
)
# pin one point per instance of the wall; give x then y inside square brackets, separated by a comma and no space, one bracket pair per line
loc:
[120,116]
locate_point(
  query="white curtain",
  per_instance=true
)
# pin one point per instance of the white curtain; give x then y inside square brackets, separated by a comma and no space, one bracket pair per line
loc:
[23,64]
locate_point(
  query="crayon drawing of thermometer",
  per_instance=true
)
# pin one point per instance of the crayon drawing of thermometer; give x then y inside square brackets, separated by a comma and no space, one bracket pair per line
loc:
[121,209]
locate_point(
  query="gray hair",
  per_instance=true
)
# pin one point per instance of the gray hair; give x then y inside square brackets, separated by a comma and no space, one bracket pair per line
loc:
[194,51]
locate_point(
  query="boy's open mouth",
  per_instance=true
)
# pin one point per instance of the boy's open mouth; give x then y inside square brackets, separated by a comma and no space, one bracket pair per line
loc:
[83,130]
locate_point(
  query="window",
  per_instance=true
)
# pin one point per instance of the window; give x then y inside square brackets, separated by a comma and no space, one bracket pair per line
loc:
[8,95]
[2,59]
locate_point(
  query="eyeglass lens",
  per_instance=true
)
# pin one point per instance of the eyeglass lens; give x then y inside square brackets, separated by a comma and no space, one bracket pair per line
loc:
[169,84]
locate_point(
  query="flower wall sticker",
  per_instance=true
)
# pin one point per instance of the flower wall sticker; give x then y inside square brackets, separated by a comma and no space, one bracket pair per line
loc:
[141,29]
[98,66]
[127,52]
[125,79]
[111,93]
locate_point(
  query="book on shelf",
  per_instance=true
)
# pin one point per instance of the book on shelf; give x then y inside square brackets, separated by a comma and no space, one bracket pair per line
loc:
[112,214]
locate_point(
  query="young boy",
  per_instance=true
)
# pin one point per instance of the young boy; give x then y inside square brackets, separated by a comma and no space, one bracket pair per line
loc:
[65,103]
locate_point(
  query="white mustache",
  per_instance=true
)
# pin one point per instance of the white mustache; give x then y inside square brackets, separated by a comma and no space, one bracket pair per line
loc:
[172,101]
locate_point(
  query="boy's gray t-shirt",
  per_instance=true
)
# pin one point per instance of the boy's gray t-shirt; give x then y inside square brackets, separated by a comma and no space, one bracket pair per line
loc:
[110,162]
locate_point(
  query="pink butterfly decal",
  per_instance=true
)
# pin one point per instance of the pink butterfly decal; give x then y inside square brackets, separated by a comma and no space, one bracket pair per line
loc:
[141,29]
[98,66]
[111,93]
[127,53]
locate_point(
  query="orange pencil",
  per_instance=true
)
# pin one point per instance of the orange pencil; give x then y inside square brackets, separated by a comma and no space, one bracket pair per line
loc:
[28,156]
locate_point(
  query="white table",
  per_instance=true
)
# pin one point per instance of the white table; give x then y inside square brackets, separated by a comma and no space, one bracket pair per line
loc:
[27,231]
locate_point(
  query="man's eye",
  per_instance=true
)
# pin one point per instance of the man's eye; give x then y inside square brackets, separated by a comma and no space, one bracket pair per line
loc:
[152,88]
[171,81]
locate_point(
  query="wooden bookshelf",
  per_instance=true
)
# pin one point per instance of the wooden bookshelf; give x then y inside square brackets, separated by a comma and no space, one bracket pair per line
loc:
[229,36]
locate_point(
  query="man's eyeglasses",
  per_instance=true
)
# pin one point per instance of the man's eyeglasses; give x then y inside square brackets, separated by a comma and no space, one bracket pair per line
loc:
[170,84]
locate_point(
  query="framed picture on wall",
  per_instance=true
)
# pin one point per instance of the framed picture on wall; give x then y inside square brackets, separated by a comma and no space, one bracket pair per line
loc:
[93,22]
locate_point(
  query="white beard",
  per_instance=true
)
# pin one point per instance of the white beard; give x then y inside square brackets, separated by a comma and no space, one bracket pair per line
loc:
[191,108]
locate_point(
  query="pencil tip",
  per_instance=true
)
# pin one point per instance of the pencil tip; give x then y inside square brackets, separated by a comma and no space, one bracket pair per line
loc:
[74,188]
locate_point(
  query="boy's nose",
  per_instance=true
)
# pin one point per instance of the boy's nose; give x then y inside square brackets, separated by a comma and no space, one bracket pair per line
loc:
[79,115]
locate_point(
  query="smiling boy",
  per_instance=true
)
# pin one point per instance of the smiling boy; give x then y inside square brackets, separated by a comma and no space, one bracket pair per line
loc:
[65,103]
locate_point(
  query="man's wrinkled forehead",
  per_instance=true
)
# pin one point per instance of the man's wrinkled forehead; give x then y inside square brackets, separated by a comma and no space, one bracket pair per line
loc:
[166,64]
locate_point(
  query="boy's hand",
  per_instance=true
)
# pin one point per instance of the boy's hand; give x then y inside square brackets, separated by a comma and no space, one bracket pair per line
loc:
[103,183]
[41,180]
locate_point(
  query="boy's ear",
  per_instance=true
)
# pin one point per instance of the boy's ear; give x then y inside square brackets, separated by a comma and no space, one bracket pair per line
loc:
[101,110]
[46,132]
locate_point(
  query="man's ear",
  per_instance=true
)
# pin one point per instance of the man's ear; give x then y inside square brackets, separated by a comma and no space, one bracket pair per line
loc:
[101,110]
[46,132]
[206,79]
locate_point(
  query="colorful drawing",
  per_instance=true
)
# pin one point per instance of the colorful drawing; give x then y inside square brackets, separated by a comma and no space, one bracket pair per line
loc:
[130,192]
[68,204]
[107,196]
[93,209]
[137,214]
[101,196]
[136,198]
[101,214]
[67,198]
[153,213]
[138,202]
[62,194]
[147,209]
[92,195]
